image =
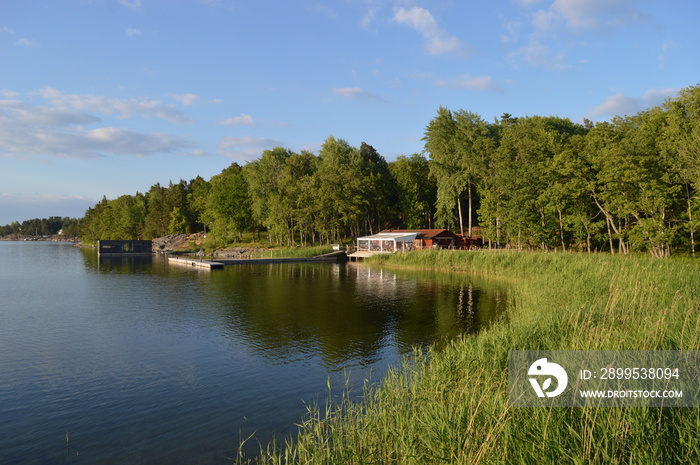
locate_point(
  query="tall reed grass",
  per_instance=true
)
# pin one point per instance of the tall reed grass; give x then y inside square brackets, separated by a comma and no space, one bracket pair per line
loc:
[450,405]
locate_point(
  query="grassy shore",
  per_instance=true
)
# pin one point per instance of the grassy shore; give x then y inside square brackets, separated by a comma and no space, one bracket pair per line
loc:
[293,252]
[450,405]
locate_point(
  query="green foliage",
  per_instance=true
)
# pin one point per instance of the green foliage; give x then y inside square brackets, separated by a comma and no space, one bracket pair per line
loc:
[545,182]
[450,404]
[69,227]
[532,182]
[159,212]
[380,189]
[416,191]
[226,205]
[297,198]
[458,144]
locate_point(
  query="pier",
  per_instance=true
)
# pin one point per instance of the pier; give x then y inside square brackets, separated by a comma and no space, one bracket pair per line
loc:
[207,264]
[333,257]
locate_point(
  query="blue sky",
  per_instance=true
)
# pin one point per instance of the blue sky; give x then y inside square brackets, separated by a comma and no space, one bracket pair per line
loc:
[107,97]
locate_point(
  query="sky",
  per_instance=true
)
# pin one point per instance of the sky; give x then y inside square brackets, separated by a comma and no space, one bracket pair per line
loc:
[108,97]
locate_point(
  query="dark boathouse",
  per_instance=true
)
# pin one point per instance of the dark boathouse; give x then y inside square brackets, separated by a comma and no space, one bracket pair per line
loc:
[124,248]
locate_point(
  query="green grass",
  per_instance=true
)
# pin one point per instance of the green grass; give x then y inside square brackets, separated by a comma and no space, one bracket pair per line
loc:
[450,405]
[269,249]
[294,252]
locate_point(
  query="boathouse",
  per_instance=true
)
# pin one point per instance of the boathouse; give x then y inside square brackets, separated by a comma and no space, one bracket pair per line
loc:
[387,242]
[435,239]
[400,240]
[124,248]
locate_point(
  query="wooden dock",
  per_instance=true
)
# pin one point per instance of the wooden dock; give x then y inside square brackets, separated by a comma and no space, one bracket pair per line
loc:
[333,257]
[356,256]
[208,264]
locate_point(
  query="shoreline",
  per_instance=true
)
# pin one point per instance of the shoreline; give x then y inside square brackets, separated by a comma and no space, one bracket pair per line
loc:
[39,238]
[460,411]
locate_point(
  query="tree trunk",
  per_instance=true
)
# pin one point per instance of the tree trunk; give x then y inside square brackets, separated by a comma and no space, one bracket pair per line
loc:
[520,245]
[623,246]
[612,246]
[470,208]
[498,231]
[561,231]
[610,222]
[461,223]
[690,220]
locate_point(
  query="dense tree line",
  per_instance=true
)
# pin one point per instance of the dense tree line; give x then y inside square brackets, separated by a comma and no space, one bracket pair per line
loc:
[43,227]
[545,182]
[294,198]
[630,184]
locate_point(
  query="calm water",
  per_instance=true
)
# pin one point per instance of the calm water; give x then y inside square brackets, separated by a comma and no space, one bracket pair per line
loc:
[144,363]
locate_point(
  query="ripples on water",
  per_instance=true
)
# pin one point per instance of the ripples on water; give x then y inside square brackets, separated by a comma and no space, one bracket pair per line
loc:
[146,363]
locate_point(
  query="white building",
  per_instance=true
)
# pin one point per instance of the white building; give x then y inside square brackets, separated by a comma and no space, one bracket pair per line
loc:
[385,242]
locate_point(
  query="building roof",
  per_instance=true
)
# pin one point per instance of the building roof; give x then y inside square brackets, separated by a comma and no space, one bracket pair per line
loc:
[399,236]
[423,233]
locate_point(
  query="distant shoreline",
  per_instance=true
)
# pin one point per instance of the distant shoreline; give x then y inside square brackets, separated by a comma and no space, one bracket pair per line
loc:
[32,238]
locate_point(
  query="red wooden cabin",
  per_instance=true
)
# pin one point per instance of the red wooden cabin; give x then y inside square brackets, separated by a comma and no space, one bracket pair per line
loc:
[439,238]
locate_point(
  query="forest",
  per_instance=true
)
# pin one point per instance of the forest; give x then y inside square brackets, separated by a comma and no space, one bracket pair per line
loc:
[295,198]
[69,227]
[531,182]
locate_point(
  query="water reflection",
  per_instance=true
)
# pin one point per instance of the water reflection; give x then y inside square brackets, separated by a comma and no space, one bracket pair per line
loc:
[141,264]
[346,313]
[149,363]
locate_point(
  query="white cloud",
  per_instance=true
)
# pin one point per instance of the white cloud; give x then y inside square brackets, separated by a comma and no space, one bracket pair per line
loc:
[442,44]
[6,30]
[355,93]
[618,105]
[544,20]
[369,17]
[246,148]
[20,207]
[27,130]
[133,32]
[127,142]
[553,20]
[26,43]
[417,18]
[135,4]
[121,108]
[322,8]
[187,99]
[585,15]
[243,120]
[654,97]
[624,105]
[537,54]
[469,82]
[248,141]
[595,14]
[665,47]
[437,40]
[22,113]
